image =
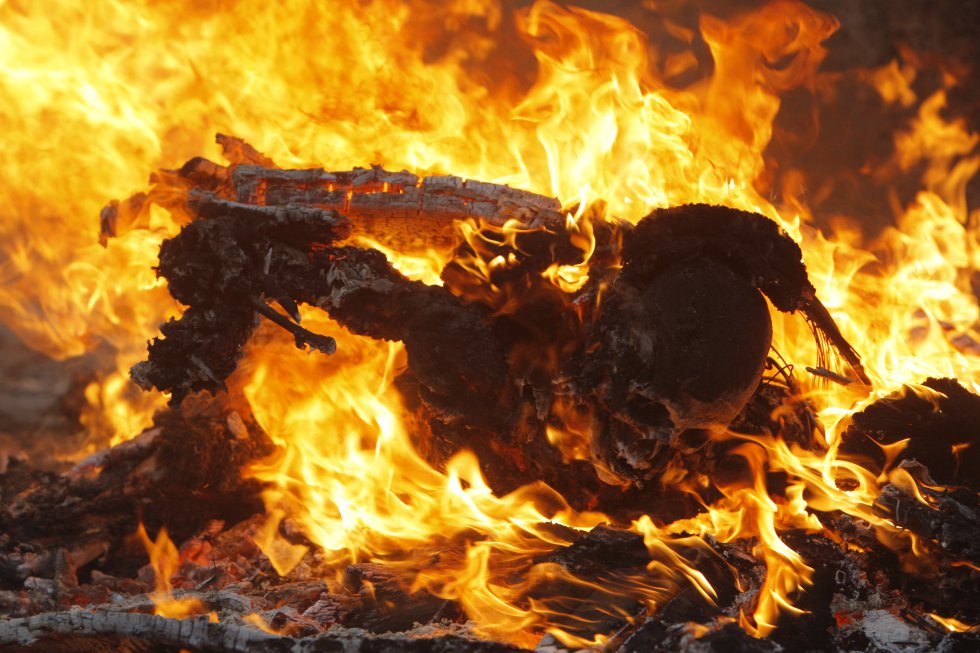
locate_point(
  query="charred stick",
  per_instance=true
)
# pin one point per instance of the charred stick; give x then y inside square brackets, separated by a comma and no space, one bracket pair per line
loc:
[304,337]
[828,374]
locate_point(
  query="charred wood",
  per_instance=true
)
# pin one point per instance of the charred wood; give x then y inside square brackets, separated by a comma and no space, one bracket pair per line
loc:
[396,208]
[607,565]
[950,519]
[941,421]
[721,636]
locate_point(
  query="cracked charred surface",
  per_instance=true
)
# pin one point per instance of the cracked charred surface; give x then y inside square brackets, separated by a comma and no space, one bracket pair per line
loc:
[675,347]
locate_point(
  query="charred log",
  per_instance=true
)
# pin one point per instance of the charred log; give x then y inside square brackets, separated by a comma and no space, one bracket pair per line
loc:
[397,208]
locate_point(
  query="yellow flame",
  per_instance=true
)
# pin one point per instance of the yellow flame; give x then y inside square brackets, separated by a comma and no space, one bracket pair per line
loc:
[165,561]
[954,625]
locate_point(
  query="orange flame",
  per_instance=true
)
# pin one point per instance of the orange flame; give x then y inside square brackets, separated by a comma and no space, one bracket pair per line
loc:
[165,561]
[954,625]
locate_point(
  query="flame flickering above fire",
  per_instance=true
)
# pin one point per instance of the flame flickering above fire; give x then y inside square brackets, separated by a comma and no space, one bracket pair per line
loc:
[96,95]
[165,560]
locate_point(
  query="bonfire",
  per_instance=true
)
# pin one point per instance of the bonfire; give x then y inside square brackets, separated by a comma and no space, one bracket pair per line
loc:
[489,326]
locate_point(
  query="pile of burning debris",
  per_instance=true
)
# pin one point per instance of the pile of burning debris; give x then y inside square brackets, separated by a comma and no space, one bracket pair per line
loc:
[666,338]
[429,413]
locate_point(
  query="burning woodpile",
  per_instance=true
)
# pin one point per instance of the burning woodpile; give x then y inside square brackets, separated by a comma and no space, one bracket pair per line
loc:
[650,410]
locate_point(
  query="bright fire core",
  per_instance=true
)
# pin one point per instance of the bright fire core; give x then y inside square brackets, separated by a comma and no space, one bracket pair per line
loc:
[552,99]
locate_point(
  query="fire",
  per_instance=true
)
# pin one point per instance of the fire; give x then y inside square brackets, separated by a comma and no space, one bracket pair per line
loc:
[165,561]
[134,87]
[954,625]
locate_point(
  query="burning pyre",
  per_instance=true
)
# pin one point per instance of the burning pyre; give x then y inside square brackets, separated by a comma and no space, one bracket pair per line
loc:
[536,412]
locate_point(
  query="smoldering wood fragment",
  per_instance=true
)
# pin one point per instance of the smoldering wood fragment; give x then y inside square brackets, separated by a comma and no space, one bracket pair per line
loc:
[118,217]
[386,604]
[719,636]
[942,425]
[204,174]
[870,575]
[952,521]
[959,642]
[836,578]
[601,549]
[882,630]
[613,562]
[185,471]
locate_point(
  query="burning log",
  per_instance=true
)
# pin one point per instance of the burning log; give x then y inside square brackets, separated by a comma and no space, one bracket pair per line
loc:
[397,208]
